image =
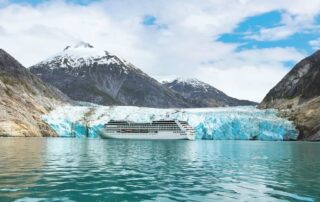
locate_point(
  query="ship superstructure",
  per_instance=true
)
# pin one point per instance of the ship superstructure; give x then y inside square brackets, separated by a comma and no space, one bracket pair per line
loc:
[162,129]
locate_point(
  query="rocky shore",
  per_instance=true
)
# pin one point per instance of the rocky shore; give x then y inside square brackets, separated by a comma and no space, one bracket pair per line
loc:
[297,96]
[24,98]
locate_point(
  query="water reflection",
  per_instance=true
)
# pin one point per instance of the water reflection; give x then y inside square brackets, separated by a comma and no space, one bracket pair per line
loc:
[114,170]
[27,166]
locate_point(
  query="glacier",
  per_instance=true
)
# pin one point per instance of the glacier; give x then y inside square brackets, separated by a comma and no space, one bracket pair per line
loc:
[224,123]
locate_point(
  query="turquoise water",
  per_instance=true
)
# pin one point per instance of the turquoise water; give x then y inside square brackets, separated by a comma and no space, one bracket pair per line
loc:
[48,169]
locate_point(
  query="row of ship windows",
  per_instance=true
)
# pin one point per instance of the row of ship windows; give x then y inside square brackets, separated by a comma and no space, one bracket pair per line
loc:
[137,125]
[157,127]
[138,131]
[147,130]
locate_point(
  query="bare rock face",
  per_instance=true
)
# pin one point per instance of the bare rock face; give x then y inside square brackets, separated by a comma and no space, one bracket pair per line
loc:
[86,74]
[24,98]
[297,96]
[201,94]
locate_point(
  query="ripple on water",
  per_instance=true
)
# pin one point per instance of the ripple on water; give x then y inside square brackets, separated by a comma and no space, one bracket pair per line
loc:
[111,170]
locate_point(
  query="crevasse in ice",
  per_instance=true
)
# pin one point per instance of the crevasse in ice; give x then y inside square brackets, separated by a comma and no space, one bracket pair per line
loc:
[228,123]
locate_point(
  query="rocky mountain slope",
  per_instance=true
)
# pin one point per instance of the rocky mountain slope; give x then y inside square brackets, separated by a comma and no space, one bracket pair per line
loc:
[201,94]
[24,98]
[297,96]
[87,74]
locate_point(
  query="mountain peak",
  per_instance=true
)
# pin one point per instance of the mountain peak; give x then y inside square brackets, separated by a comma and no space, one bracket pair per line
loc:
[80,54]
[80,44]
[10,65]
[193,83]
[189,81]
[201,94]
[83,54]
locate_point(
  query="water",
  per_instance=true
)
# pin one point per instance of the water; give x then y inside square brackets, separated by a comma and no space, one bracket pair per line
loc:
[48,169]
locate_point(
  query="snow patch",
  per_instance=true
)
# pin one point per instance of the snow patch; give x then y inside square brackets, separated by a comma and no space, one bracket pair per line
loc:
[190,81]
[82,54]
[195,83]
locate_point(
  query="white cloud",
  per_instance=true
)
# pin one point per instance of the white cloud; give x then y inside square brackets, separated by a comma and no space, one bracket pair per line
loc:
[291,23]
[187,46]
[249,74]
[273,34]
[315,44]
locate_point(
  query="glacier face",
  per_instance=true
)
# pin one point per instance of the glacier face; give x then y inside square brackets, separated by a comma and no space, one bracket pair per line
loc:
[226,123]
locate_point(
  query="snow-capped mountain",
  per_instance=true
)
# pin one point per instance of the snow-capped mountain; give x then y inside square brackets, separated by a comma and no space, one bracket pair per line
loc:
[84,54]
[87,74]
[201,94]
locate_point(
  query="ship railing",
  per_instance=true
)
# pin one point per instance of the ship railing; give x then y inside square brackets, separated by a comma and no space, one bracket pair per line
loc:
[169,127]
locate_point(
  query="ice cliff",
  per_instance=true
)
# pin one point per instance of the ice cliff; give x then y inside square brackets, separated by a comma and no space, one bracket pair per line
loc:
[229,123]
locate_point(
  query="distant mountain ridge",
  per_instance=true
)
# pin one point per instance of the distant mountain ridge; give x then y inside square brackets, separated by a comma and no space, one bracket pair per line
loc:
[297,96]
[24,98]
[87,74]
[201,94]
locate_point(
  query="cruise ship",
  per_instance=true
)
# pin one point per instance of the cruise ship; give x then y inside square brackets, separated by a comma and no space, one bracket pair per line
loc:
[156,130]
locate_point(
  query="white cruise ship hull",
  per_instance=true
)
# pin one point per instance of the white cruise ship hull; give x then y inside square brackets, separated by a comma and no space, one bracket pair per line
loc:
[147,136]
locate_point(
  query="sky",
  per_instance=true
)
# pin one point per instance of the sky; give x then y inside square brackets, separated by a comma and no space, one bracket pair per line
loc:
[242,47]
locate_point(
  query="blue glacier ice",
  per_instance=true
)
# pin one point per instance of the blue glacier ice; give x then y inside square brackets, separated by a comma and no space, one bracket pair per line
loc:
[228,123]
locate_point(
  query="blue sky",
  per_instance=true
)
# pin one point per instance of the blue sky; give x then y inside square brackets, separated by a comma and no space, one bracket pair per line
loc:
[249,26]
[252,25]
[242,47]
